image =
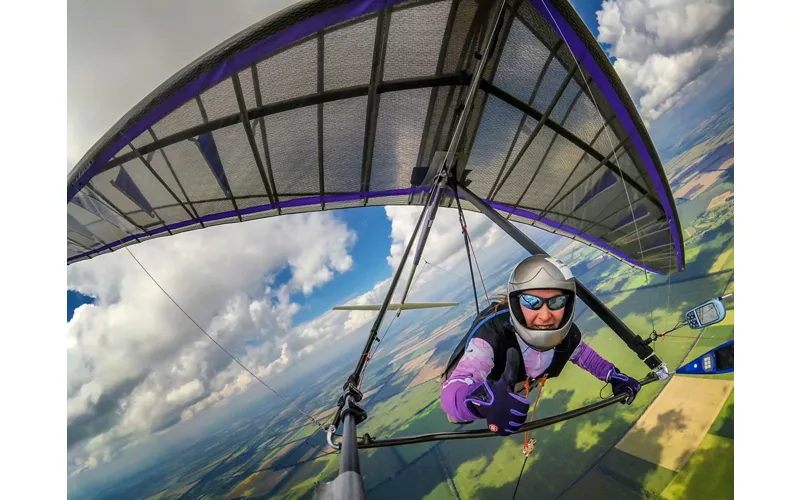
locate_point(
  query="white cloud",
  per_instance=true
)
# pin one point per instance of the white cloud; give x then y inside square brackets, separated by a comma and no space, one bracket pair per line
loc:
[662,48]
[137,365]
[445,244]
[185,393]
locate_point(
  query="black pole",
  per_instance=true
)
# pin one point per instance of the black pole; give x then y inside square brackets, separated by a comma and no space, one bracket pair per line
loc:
[483,433]
[471,274]
[633,341]
[348,484]
[349,457]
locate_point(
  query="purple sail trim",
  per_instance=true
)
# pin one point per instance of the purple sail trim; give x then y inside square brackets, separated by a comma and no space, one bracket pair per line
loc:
[297,202]
[582,54]
[314,200]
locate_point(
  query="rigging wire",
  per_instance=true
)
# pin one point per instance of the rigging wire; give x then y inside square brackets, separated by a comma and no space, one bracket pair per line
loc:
[669,284]
[479,268]
[463,220]
[520,476]
[445,270]
[463,223]
[309,417]
[613,151]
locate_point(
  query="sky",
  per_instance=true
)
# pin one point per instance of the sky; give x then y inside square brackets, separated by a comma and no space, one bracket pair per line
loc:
[138,368]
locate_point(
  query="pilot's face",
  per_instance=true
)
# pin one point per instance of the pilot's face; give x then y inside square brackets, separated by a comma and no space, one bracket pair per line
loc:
[542,318]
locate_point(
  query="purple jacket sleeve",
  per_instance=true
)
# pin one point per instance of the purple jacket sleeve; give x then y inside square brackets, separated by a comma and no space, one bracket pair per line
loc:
[588,359]
[471,371]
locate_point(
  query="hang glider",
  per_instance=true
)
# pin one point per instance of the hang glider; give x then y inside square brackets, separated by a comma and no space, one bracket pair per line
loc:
[349,103]
[396,307]
[509,108]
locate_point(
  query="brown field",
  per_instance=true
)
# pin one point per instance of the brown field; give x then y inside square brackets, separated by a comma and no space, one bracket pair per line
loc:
[439,332]
[429,372]
[373,391]
[324,414]
[719,200]
[415,364]
[185,488]
[311,451]
[272,458]
[410,341]
[675,423]
[696,184]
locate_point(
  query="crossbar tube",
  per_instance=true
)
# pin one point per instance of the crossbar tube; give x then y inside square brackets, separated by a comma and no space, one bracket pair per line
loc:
[367,442]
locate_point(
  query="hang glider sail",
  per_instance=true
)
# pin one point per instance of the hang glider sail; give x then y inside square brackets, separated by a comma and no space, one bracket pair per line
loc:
[396,307]
[348,103]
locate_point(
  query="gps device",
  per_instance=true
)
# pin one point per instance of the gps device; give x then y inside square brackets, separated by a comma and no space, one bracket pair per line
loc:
[705,314]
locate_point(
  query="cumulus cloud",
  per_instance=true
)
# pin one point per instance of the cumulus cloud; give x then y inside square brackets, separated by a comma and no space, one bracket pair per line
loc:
[445,245]
[137,365]
[664,48]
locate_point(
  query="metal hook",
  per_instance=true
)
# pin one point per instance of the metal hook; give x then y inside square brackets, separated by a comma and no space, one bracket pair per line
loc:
[331,430]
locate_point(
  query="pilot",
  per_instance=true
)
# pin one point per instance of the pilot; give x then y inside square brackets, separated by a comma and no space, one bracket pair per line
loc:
[532,322]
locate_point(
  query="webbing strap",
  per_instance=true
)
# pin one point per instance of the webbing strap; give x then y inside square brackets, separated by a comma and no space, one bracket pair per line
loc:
[483,321]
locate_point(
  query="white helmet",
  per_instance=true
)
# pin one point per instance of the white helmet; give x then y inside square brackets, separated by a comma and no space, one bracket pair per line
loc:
[541,272]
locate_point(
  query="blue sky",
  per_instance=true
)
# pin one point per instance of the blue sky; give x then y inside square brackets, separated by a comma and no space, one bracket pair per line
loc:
[74,301]
[369,264]
[587,9]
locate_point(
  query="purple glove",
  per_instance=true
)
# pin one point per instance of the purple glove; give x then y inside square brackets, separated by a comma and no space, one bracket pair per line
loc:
[495,400]
[622,384]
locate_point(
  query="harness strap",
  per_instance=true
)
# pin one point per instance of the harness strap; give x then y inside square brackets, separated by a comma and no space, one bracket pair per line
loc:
[528,444]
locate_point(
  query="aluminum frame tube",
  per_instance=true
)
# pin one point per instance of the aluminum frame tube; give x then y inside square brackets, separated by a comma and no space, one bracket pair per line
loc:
[348,460]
